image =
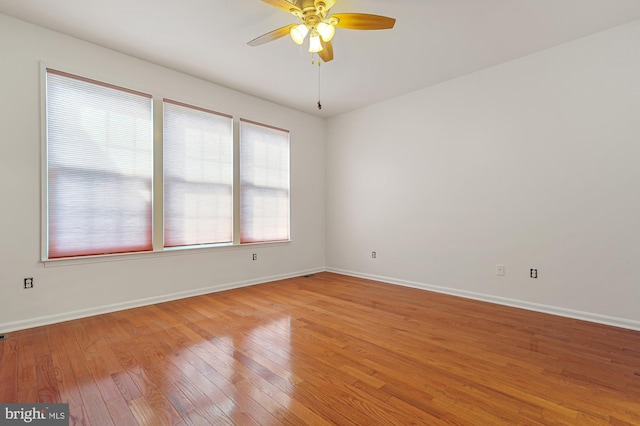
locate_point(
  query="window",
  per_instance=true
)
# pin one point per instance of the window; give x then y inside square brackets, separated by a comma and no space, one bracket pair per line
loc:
[99,167]
[264,183]
[99,184]
[198,176]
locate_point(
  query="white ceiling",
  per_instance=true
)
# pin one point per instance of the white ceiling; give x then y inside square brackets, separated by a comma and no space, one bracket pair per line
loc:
[433,41]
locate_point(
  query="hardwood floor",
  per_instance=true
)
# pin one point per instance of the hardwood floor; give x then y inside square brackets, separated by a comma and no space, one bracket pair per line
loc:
[327,349]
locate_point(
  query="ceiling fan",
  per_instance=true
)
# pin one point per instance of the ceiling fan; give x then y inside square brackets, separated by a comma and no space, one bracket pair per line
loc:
[315,21]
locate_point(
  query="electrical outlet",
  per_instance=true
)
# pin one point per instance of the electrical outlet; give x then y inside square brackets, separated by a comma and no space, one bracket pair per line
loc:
[533,273]
[373,254]
[500,270]
[254,256]
[28,282]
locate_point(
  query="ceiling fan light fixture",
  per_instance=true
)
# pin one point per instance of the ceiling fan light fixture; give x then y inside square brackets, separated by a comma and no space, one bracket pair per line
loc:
[315,21]
[326,31]
[298,33]
[315,45]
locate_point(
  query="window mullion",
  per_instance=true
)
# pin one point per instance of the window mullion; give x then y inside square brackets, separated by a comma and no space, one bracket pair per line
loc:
[158,178]
[236,181]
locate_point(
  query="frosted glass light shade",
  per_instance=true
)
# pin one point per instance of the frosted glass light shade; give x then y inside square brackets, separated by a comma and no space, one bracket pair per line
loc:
[314,43]
[326,31]
[298,33]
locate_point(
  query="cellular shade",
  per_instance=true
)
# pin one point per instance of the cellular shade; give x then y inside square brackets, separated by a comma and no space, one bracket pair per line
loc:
[198,176]
[99,167]
[264,183]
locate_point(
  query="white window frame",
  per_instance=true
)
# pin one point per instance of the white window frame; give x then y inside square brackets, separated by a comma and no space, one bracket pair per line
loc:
[157,185]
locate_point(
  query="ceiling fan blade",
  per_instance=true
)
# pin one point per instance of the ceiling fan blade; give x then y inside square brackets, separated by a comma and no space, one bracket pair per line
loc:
[283,5]
[272,35]
[326,54]
[363,21]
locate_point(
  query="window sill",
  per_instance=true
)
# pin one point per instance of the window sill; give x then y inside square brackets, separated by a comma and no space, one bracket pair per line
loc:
[172,251]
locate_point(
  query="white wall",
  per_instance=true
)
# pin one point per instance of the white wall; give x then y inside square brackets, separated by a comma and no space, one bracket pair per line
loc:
[70,291]
[532,164]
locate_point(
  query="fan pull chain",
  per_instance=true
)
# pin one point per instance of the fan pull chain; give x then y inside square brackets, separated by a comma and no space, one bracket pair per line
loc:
[319,103]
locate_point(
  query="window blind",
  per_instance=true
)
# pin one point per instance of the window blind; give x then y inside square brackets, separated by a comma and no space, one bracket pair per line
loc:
[264,183]
[198,175]
[99,167]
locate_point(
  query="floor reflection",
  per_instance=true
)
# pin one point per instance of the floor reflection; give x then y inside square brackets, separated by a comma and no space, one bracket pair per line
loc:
[245,370]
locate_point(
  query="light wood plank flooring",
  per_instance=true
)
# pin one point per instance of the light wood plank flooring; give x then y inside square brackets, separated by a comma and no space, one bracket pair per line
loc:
[327,350]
